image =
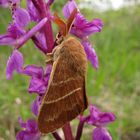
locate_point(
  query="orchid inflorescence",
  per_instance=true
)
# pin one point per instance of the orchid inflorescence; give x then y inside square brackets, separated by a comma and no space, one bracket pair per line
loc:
[38,11]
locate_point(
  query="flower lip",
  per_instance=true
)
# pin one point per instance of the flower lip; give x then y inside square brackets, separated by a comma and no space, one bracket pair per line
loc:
[101,133]
[99,118]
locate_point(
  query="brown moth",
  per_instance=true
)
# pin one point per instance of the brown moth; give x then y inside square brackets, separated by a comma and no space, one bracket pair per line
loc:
[65,97]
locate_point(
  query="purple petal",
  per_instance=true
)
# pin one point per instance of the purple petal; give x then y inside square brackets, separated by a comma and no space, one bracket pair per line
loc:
[37,86]
[83,27]
[21,122]
[21,17]
[91,54]
[36,105]
[24,135]
[34,14]
[94,115]
[17,2]
[31,126]
[30,131]
[20,135]
[101,134]
[68,8]
[15,31]
[99,118]
[42,41]
[15,62]
[34,71]
[6,40]
[106,118]
[4,3]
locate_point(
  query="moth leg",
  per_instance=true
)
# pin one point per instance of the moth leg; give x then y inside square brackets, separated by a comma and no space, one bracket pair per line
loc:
[49,58]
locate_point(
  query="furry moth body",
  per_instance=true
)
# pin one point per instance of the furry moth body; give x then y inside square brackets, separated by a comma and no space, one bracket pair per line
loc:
[66,97]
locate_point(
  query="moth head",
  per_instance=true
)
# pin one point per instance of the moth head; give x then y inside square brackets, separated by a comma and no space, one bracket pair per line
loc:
[64,26]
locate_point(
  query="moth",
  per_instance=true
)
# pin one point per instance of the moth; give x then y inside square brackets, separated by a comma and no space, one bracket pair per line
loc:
[65,97]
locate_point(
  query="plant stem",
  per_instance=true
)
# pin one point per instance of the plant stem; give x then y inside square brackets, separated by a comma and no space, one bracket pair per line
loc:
[56,136]
[67,132]
[80,127]
[37,6]
[79,130]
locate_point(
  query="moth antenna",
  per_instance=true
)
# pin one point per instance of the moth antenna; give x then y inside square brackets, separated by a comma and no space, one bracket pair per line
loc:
[71,19]
[61,24]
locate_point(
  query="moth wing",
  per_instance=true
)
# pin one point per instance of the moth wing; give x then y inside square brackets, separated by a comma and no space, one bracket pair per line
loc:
[65,98]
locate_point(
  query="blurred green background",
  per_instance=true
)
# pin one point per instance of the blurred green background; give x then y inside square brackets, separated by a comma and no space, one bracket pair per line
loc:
[113,87]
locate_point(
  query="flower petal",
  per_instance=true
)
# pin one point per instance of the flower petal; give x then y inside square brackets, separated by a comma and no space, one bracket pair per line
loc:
[34,14]
[37,86]
[91,54]
[30,131]
[21,122]
[106,118]
[99,118]
[24,135]
[101,134]
[21,17]
[36,105]
[6,40]
[42,40]
[82,27]
[68,8]
[34,71]
[15,62]
[15,31]
[31,126]
[4,3]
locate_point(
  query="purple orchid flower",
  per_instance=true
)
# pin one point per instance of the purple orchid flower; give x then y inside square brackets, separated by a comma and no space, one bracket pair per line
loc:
[81,27]
[15,62]
[39,78]
[29,132]
[16,29]
[100,120]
